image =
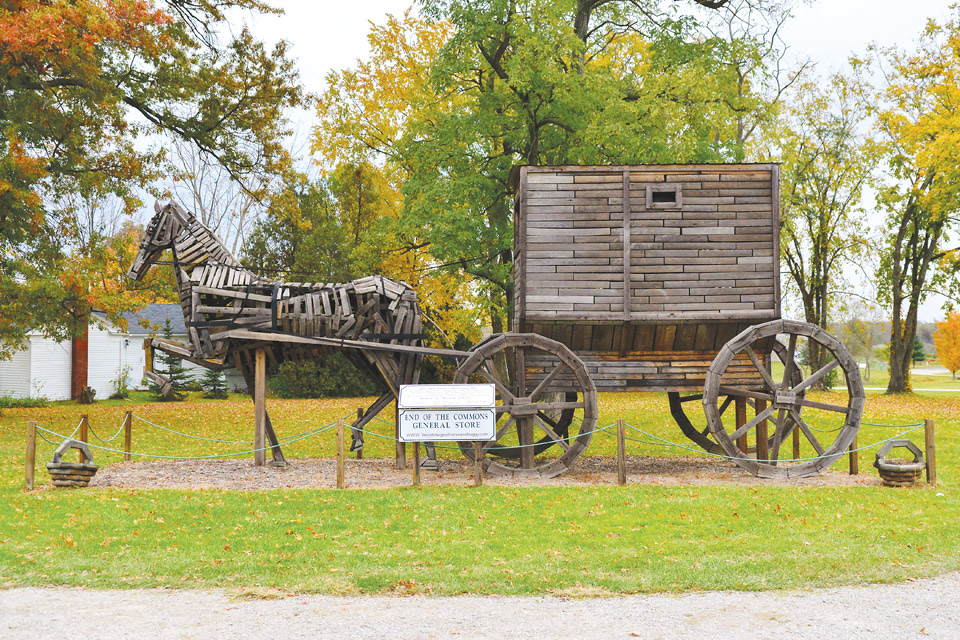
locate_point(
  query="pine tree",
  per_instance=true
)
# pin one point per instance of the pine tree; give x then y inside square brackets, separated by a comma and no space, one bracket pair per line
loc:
[919,355]
[214,384]
[171,368]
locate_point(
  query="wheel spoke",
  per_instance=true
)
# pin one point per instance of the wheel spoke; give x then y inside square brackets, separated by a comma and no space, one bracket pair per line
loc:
[698,396]
[500,433]
[725,404]
[763,415]
[550,432]
[821,405]
[745,393]
[790,364]
[546,381]
[815,377]
[778,436]
[492,378]
[807,431]
[762,369]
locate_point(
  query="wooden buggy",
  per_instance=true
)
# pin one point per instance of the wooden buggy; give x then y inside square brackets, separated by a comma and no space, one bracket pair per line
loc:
[638,278]
[660,278]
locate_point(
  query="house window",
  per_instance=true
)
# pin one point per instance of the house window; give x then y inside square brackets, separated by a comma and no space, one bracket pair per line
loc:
[664,196]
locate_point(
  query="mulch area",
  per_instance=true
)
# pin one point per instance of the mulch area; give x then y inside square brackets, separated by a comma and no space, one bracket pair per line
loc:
[380,473]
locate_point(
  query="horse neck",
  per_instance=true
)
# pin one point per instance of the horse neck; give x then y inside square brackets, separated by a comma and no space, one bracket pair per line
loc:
[199,254]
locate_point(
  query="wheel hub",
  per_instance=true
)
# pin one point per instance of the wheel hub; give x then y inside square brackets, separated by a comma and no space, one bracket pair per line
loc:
[523,407]
[785,399]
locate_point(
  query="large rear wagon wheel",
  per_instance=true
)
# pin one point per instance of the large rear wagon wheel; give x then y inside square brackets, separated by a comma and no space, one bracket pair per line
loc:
[784,400]
[545,398]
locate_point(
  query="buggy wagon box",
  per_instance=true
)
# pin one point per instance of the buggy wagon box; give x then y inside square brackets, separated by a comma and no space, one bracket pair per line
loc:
[698,266]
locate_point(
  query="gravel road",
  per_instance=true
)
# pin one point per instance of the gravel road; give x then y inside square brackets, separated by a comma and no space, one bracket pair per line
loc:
[921,609]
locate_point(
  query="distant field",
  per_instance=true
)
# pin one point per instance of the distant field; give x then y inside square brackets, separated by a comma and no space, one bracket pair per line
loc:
[563,540]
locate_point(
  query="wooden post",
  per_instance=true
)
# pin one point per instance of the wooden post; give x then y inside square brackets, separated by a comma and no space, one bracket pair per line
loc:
[416,464]
[84,428]
[854,457]
[401,446]
[260,408]
[621,453]
[477,463]
[341,456]
[740,404]
[31,467]
[127,435]
[796,443]
[763,438]
[360,417]
[930,451]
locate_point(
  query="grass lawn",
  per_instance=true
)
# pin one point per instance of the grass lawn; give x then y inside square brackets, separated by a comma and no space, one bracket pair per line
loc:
[537,540]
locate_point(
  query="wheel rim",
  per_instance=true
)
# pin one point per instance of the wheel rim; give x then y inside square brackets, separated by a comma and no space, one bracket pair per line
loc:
[528,372]
[740,370]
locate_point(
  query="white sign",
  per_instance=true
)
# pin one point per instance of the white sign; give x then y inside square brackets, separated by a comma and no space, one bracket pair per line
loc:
[447,396]
[439,412]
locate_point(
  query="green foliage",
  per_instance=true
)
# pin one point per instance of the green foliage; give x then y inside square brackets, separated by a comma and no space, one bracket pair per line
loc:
[919,355]
[171,368]
[120,388]
[9,402]
[214,385]
[333,376]
[534,82]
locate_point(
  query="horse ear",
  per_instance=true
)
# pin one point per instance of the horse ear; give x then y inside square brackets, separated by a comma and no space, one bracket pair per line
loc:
[156,206]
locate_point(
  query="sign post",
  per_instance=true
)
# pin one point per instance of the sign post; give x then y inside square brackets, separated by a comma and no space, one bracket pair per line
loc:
[446,412]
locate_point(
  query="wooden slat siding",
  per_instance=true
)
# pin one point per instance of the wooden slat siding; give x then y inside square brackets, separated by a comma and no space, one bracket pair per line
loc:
[693,276]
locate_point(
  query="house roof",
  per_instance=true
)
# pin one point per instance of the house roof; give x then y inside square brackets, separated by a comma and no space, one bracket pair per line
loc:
[154,316]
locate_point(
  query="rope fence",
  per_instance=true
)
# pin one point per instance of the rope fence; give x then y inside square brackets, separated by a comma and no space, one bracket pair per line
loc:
[565,435]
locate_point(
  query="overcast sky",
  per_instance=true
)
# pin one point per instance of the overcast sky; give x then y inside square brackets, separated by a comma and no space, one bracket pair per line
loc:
[328,36]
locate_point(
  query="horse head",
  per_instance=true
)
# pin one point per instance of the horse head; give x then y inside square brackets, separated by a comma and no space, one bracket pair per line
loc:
[161,233]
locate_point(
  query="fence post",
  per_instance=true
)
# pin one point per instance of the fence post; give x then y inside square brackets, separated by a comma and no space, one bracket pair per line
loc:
[341,456]
[127,435]
[477,463]
[31,468]
[84,428]
[621,453]
[740,407]
[930,446]
[260,408]
[401,446]
[416,464]
[854,457]
[360,417]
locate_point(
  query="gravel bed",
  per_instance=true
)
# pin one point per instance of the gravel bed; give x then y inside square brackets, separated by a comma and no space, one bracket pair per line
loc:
[920,609]
[380,473]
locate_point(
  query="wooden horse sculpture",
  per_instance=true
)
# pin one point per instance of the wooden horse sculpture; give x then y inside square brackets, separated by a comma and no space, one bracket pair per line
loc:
[230,313]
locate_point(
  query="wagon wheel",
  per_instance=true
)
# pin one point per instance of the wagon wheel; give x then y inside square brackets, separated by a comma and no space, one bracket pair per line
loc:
[784,399]
[702,438]
[532,371]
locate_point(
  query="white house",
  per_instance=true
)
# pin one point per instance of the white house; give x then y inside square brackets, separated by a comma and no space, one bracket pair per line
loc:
[50,369]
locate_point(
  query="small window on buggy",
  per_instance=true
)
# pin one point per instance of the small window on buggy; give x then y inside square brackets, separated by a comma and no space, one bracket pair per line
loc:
[664,196]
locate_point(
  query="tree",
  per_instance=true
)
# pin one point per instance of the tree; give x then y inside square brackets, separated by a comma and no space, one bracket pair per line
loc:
[947,340]
[857,335]
[83,87]
[531,82]
[171,368]
[214,385]
[826,165]
[919,355]
[917,114]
